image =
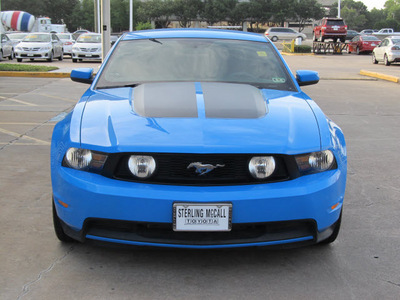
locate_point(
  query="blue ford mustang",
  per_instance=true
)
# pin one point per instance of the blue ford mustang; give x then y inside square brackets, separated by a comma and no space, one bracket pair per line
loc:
[197,139]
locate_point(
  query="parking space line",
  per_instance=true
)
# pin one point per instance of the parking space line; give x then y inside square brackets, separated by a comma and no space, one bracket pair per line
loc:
[18,101]
[57,97]
[18,135]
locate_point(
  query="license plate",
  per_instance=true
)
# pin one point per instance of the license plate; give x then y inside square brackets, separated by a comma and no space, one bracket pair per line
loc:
[202,217]
[88,55]
[373,44]
[30,54]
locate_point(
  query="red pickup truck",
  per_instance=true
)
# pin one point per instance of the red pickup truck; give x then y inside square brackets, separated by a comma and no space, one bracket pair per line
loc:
[330,28]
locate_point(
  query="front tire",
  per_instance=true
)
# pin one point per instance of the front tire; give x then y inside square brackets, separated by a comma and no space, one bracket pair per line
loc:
[358,51]
[50,59]
[11,57]
[386,60]
[61,57]
[58,228]
[19,59]
[374,61]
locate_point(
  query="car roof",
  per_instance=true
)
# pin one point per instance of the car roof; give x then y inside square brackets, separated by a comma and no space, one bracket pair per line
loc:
[194,33]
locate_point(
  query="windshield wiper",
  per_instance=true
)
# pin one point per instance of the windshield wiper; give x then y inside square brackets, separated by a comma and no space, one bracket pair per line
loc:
[118,86]
[155,41]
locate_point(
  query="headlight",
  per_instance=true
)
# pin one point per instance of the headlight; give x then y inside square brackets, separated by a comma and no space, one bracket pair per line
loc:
[316,162]
[75,48]
[142,166]
[45,48]
[83,159]
[261,167]
[18,49]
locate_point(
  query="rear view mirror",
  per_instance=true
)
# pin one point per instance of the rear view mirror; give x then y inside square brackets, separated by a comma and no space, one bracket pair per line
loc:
[305,77]
[83,75]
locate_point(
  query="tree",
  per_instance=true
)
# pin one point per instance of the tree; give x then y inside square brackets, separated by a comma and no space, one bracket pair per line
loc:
[158,11]
[283,10]
[187,11]
[306,10]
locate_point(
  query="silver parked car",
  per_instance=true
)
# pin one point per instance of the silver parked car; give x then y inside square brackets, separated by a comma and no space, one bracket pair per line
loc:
[283,33]
[87,46]
[388,51]
[39,45]
[68,41]
[16,37]
[6,48]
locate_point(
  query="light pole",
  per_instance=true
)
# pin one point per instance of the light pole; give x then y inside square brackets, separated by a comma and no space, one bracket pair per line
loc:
[105,27]
[130,15]
[338,9]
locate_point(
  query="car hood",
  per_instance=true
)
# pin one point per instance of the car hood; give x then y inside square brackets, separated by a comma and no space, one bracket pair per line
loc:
[33,44]
[216,118]
[88,45]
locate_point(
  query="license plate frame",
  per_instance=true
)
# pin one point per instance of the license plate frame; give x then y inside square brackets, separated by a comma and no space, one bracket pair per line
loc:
[202,217]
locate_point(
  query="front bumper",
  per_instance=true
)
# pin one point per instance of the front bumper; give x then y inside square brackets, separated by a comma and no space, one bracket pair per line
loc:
[33,54]
[86,55]
[303,210]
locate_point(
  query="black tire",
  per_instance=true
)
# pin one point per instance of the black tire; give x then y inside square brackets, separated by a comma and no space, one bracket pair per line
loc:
[11,57]
[19,59]
[50,59]
[335,232]
[343,39]
[274,38]
[74,60]
[374,61]
[31,59]
[358,51]
[1,55]
[61,57]
[58,228]
[386,60]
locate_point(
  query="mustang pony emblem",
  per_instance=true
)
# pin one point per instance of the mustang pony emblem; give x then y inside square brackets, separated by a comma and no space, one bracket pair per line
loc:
[203,168]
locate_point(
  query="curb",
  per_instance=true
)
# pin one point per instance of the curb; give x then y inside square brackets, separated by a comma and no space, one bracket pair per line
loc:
[34,74]
[380,76]
[297,54]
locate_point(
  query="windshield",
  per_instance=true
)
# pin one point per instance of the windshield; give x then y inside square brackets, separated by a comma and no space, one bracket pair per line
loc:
[42,38]
[64,36]
[16,36]
[395,41]
[370,38]
[85,38]
[195,60]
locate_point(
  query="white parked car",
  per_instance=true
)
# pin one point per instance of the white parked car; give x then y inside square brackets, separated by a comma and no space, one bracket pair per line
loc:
[388,51]
[87,46]
[6,48]
[39,45]
[283,33]
[16,37]
[68,41]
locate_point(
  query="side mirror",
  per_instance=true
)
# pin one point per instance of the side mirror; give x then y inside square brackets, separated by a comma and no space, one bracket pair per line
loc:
[82,75]
[305,77]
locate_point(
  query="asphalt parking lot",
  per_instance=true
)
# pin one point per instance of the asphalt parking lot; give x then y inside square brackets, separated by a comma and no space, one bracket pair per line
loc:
[363,263]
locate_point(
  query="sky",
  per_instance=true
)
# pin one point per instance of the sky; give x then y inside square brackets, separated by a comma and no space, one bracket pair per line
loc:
[374,3]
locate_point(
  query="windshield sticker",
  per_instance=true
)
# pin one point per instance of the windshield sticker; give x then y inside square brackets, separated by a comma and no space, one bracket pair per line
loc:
[278,80]
[262,53]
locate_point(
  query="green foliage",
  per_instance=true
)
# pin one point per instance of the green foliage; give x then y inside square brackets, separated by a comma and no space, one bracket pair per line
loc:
[302,49]
[25,68]
[143,26]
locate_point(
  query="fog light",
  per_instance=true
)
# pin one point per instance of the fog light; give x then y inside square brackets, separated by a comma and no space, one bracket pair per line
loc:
[142,166]
[261,167]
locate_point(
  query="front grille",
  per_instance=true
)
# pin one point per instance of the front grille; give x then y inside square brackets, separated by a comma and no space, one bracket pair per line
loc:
[88,49]
[163,233]
[31,49]
[173,169]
